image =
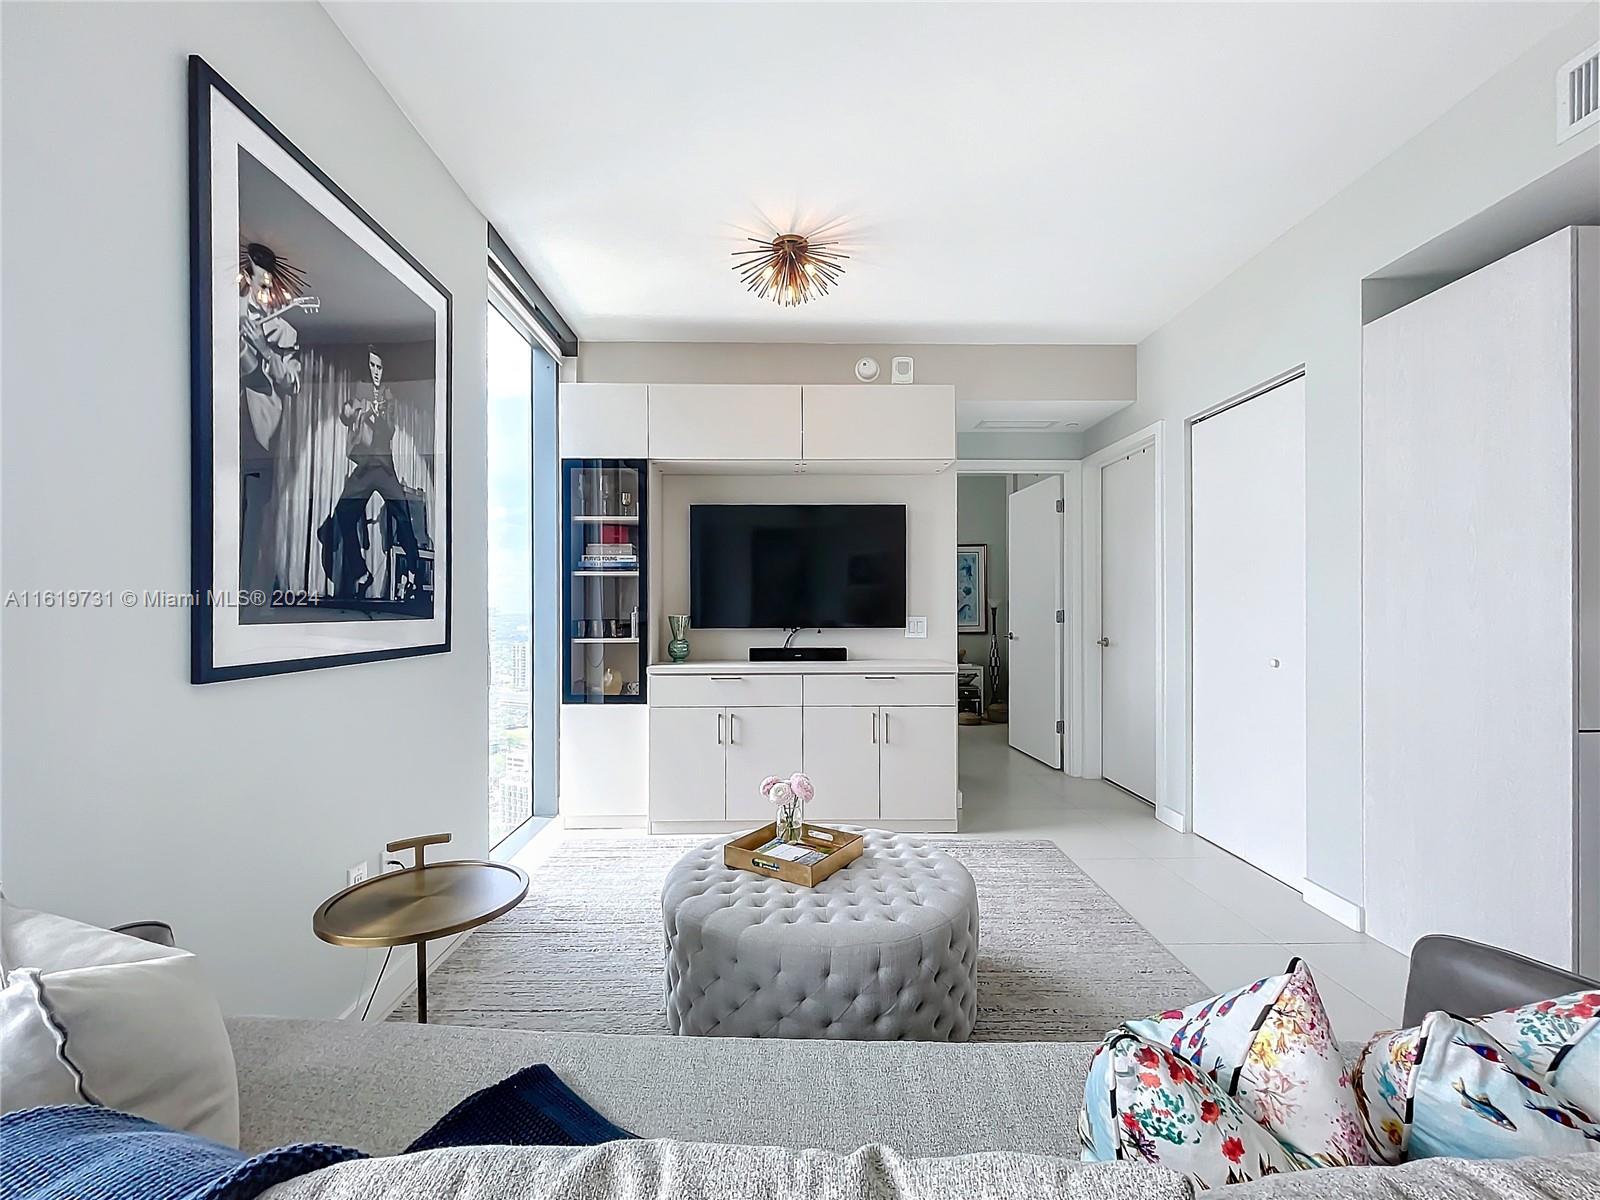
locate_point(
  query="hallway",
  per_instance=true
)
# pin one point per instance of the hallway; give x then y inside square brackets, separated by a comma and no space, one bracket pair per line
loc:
[1228,922]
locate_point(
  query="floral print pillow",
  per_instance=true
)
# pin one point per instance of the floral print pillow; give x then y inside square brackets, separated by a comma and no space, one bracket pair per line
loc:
[1382,1080]
[1472,1096]
[1269,1046]
[1295,1082]
[1537,1033]
[1482,1083]
[1146,1104]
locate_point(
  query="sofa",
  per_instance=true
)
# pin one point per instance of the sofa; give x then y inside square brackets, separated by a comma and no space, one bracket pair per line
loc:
[731,1118]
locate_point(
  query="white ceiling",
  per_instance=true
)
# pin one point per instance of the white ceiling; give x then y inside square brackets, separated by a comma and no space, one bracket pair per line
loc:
[998,173]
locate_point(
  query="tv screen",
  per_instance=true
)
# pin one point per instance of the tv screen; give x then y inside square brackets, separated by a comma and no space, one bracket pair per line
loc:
[797,566]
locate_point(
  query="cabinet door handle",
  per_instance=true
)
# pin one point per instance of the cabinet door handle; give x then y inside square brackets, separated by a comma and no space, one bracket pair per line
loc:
[728,678]
[885,729]
[719,729]
[731,728]
[874,727]
[880,677]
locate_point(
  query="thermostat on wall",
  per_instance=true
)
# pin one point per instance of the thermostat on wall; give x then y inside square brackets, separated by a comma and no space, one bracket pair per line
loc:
[899,370]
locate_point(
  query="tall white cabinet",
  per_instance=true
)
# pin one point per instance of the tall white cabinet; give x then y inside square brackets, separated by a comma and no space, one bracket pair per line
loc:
[1481,608]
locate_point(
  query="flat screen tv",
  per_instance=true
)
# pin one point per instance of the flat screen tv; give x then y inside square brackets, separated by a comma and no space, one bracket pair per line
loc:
[797,566]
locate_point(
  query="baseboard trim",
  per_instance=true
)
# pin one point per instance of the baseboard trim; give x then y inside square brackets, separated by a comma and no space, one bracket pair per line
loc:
[1171,818]
[400,979]
[1341,910]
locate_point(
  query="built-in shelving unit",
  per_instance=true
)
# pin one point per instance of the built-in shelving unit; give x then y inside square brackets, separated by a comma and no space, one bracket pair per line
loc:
[604,617]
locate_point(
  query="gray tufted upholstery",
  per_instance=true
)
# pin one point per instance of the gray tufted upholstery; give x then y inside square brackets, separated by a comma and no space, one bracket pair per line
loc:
[885,949]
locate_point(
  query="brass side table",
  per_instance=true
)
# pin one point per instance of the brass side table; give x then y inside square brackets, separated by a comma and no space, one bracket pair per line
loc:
[420,903]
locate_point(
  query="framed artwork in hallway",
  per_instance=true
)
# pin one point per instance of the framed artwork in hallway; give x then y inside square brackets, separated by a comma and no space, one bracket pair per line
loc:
[972,589]
[320,368]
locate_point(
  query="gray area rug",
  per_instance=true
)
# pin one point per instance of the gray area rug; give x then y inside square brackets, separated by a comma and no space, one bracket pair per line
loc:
[1059,959]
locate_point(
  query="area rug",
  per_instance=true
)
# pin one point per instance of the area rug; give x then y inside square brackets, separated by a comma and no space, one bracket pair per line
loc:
[1059,959]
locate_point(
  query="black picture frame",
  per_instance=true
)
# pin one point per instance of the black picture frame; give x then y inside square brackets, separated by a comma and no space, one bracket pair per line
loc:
[326,641]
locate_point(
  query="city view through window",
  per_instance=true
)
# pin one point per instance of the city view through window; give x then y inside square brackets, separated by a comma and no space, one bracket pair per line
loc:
[510,384]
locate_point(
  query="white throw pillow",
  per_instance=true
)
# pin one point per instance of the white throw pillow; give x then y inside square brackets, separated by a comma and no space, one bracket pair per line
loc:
[88,1016]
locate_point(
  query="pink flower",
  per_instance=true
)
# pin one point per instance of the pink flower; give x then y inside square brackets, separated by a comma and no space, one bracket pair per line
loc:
[802,787]
[780,794]
[1232,1149]
[770,782]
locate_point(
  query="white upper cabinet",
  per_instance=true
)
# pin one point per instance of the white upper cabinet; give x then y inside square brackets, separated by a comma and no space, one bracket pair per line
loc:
[604,420]
[880,422]
[753,422]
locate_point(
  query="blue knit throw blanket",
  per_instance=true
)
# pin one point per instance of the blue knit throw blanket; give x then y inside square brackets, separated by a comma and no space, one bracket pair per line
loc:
[83,1152]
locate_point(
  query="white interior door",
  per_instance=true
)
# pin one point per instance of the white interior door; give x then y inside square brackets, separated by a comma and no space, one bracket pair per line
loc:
[1033,581]
[1249,621]
[1128,633]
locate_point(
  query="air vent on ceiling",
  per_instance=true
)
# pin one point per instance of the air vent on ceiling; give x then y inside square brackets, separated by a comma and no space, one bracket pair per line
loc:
[1578,94]
[996,425]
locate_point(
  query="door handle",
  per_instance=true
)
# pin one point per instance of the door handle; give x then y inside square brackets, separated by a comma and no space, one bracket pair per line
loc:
[731,727]
[728,678]
[878,677]
[874,727]
[719,729]
[1103,642]
[885,729]
[1010,637]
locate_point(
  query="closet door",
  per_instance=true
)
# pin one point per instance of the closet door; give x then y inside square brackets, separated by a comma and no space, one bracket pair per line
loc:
[1249,621]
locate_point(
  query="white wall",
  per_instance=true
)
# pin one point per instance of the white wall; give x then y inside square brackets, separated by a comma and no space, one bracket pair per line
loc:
[1299,301]
[230,810]
[977,372]
[930,502]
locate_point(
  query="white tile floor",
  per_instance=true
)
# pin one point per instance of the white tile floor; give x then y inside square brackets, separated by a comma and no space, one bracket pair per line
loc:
[1228,922]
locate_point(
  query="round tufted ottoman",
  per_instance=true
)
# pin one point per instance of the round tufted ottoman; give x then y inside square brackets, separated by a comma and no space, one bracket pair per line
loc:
[886,948]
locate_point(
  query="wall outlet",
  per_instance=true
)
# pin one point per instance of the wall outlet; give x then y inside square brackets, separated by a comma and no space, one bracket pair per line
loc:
[916,627]
[356,874]
[397,861]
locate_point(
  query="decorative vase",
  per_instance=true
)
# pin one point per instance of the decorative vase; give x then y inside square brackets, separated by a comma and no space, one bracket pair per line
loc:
[678,647]
[994,653]
[789,822]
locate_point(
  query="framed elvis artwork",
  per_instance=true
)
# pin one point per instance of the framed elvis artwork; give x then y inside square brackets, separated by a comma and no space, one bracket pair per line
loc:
[321,413]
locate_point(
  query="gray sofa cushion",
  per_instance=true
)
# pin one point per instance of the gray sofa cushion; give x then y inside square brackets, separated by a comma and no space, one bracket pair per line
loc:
[377,1086]
[1573,1177]
[666,1170]
[886,948]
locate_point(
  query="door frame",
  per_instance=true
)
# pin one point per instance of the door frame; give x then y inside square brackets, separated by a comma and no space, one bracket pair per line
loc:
[1070,586]
[1168,812]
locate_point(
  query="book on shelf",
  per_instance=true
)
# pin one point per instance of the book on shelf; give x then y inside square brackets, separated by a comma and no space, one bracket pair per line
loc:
[609,550]
[608,564]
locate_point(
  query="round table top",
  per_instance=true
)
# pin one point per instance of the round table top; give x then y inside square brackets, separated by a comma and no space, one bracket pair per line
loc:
[420,903]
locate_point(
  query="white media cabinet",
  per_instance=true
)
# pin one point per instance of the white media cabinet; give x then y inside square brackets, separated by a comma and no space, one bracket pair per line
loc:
[877,732]
[877,738]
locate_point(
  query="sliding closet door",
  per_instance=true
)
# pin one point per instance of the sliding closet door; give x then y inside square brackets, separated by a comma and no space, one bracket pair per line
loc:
[1249,493]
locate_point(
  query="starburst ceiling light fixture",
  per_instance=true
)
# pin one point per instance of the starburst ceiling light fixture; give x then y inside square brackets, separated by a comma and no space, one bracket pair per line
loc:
[790,268]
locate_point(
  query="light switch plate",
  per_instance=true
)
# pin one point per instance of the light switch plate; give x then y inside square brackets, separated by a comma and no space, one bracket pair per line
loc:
[916,627]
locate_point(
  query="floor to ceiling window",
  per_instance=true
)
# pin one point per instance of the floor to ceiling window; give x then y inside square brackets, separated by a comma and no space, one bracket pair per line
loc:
[521,378]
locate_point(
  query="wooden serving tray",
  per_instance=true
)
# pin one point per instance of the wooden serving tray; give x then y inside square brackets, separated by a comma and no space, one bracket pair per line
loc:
[842,849]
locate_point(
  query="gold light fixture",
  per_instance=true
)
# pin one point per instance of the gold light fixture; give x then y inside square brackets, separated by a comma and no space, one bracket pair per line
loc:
[790,268]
